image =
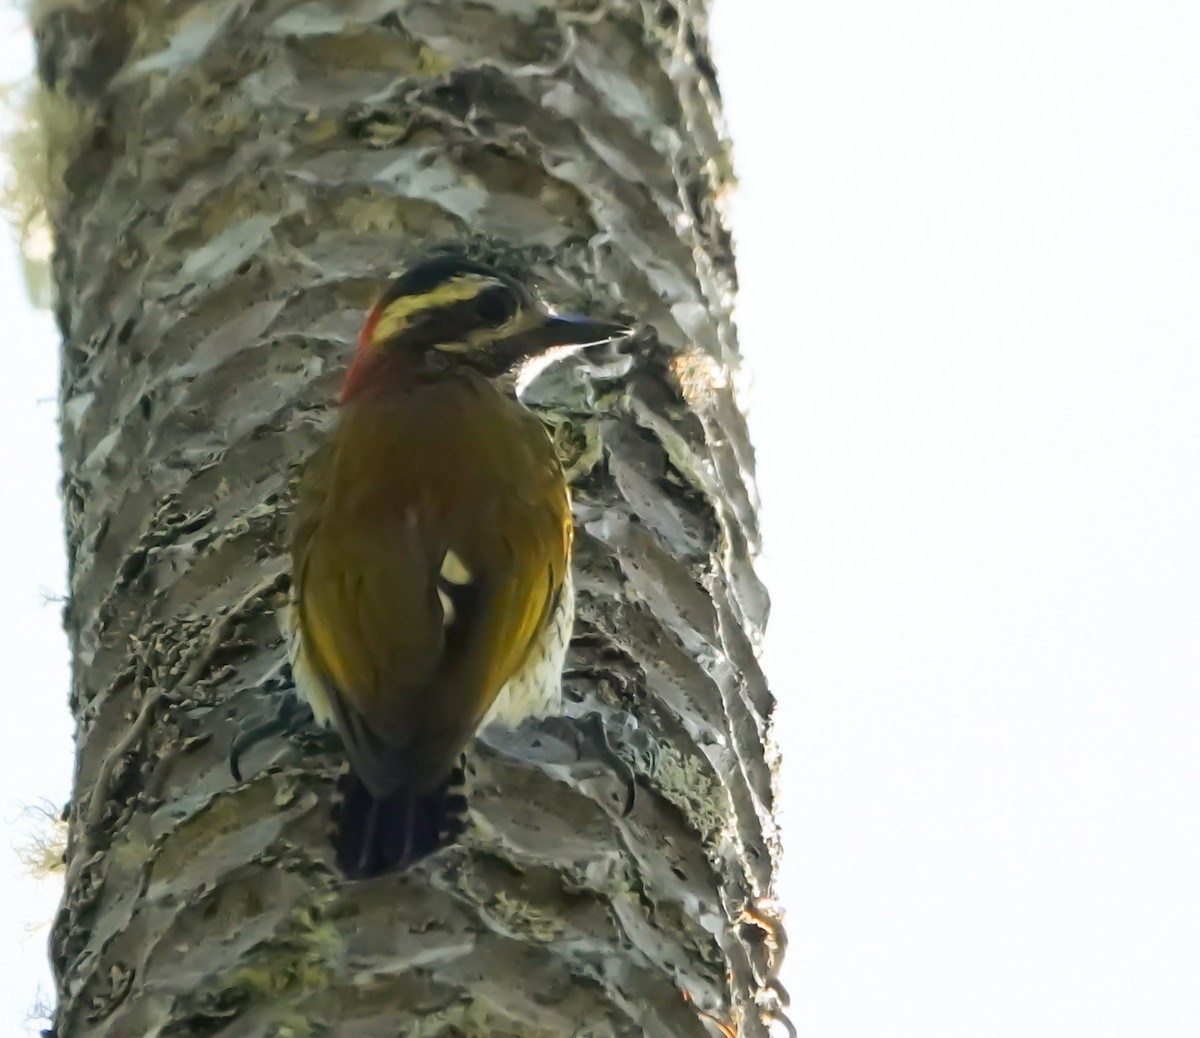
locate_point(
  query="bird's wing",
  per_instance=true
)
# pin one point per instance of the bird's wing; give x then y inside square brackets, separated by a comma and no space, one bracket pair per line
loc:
[437,551]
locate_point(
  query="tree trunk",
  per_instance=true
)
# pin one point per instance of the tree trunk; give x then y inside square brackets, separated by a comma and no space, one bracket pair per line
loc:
[239,176]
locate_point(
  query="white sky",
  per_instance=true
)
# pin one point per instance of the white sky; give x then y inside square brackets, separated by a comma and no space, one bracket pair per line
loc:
[969,248]
[969,253]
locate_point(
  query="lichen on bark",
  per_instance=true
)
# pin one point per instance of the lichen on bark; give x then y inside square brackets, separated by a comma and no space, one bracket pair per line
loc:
[249,172]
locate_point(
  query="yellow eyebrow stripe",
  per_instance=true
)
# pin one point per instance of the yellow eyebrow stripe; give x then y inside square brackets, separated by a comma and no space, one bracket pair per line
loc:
[395,318]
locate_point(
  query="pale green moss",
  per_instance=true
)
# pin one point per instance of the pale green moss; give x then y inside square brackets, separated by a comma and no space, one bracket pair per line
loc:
[524,919]
[687,783]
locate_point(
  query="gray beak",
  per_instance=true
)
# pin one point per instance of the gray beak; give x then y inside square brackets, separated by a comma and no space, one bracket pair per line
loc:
[567,330]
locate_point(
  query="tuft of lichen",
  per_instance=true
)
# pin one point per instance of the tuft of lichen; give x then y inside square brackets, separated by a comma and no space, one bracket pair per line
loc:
[41,850]
[688,784]
[524,918]
[47,127]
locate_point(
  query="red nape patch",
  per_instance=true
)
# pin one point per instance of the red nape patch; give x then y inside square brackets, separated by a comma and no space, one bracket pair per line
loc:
[364,370]
[366,358]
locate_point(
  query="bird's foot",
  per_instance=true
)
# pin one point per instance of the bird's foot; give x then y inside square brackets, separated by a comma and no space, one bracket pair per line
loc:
[290,717]
[592,730]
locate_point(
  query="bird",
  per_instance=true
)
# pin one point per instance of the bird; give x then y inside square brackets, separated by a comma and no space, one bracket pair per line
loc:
[431,552]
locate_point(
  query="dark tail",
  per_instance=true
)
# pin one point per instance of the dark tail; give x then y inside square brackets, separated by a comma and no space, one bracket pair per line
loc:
[372,836]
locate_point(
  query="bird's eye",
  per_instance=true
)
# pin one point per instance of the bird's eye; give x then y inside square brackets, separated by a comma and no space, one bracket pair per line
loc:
[495,306]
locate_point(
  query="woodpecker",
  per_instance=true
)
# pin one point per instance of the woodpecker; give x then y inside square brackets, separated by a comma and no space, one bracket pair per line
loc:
[431,555]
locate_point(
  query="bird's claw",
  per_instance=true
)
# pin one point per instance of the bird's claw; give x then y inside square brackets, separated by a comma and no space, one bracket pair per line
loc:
[290,716]
[593,724]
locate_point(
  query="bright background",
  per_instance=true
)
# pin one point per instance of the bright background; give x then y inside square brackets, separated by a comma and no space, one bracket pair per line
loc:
[969,248]
[970,253]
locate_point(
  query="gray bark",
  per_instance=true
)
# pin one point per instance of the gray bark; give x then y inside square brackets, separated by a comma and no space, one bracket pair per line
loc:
[244,174]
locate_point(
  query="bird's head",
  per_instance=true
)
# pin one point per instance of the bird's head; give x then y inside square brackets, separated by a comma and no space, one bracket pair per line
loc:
[451,307]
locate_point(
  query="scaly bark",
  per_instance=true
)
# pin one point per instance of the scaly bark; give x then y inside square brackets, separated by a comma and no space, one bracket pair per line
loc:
[247,173]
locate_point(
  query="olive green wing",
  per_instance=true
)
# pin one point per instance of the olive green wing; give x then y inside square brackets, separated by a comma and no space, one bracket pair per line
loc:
[428,555]
[517,542]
